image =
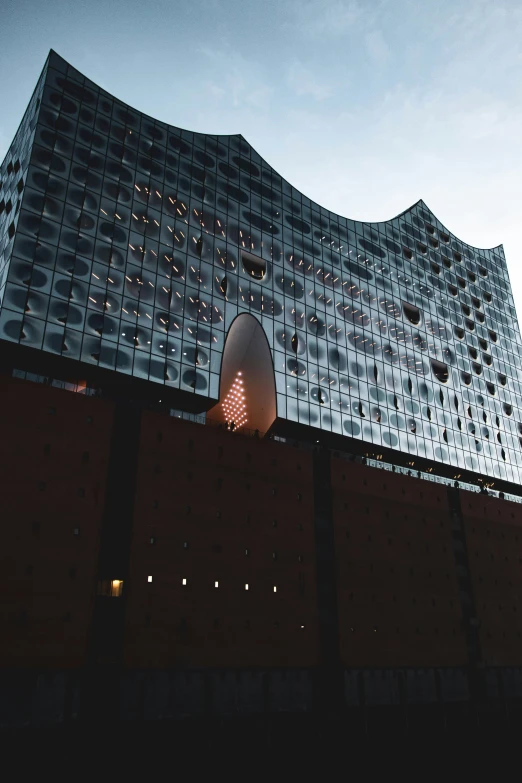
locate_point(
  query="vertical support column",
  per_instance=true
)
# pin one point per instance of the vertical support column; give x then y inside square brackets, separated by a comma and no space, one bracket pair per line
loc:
[329,696]
[467,598]
[101,696]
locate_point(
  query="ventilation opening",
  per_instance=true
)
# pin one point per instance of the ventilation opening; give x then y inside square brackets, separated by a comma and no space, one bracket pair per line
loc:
[253,265]
[470,325]
[461,282]
[502,379]
[466,378]
[412,313]
[407,252]
[445,237]
[493,335]
[459,332]
[295,342]
[224,286]
[472,277]
[440,370]
[446,262]
[435,268]
[491,388]
[475,302]
[473,353]
[476,368]
[508,409]
[457,257]
[430,229]
[487,359]
[482,271]
[487,296]
[483,344]
[453,289]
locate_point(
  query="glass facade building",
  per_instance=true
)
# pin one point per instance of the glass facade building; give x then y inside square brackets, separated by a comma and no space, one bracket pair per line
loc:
[132,246]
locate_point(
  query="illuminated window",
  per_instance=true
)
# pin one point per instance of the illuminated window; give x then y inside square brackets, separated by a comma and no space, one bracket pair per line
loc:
[234,405]
[149,579]
[116,588]
[184,582]
[246,587]
[216,584]
[275,588]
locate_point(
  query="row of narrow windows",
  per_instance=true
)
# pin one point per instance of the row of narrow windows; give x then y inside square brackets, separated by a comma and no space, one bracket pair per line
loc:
[185,582]
[217,548]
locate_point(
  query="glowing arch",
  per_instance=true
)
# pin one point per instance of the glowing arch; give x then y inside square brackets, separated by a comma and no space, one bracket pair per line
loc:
[247,355]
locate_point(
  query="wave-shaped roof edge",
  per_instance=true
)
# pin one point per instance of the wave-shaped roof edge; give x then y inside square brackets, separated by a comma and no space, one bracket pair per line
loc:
[419,203]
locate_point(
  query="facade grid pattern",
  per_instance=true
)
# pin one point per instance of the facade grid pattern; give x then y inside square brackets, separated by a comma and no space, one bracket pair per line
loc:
[132,245]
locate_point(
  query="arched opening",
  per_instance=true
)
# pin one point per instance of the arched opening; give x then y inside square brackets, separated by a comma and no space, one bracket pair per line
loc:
[247,384]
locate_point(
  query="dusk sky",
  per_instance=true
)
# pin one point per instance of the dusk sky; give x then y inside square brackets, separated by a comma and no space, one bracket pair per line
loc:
[364,106]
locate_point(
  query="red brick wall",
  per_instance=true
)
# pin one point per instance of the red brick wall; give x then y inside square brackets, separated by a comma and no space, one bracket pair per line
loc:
[54,454]
[215,491]
[397,588]
[494,540]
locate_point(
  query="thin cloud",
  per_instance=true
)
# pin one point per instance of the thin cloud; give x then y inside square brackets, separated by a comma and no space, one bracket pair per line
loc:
[322,19]
[304,82]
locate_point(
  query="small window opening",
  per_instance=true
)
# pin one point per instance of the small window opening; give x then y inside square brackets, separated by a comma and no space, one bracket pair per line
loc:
[440,370]
[253,265]
[116,588]
[412,313]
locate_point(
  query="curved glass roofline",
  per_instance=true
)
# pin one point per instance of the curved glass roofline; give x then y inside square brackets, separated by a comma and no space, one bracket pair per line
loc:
[263,160]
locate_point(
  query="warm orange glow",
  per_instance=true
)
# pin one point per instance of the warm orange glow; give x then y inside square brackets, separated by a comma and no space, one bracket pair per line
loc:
[234,405]
[116,588]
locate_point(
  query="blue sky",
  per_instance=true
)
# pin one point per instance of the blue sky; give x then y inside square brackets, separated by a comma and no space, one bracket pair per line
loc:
[365,106]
